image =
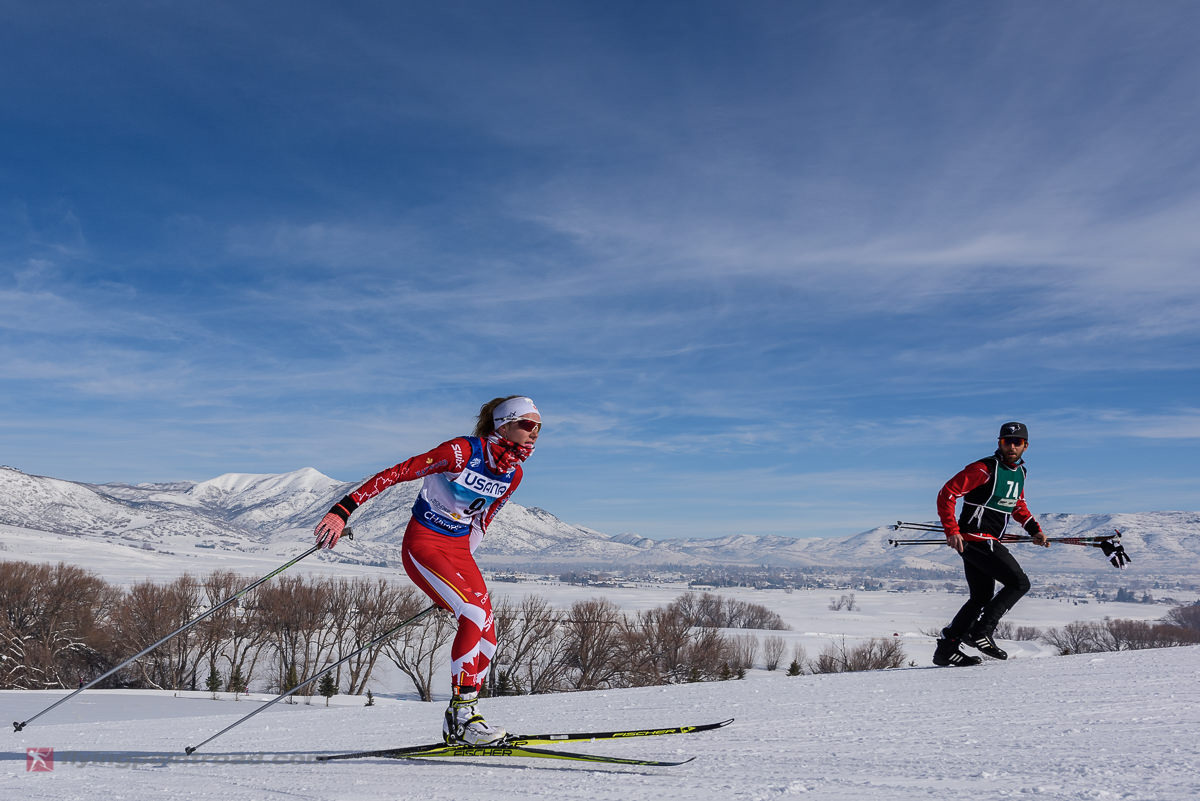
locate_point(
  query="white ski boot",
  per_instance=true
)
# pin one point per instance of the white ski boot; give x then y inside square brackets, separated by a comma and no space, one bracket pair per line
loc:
[463,725]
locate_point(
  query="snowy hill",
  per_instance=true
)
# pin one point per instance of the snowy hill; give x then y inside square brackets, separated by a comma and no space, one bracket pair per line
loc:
[249,514]
[1115,725]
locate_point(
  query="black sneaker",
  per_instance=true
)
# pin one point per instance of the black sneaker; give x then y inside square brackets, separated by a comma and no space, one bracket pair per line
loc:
[985,644]
[947,654]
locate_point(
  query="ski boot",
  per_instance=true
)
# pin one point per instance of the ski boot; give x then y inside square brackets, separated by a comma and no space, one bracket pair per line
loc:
[948,654]
[984,642]
[463,725]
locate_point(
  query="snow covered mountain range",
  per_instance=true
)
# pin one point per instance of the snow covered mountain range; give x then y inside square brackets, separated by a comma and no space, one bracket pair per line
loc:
[247,513]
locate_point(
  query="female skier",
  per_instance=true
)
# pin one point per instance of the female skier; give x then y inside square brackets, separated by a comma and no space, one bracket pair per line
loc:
[466,481]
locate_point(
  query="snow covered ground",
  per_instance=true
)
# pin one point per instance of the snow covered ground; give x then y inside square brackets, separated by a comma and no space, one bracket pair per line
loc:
[1107,726]
[1111,726]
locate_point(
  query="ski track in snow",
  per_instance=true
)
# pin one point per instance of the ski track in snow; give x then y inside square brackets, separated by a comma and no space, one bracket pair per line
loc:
[1096,726]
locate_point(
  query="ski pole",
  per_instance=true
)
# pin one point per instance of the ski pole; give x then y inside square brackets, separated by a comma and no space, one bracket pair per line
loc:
[184,627]
[1094,542]
[191,749]
[916,526]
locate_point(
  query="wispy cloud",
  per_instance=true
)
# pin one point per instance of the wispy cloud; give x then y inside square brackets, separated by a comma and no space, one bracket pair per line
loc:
[761,270]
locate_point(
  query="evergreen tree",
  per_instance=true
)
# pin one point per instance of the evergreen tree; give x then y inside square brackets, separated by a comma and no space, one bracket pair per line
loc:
[370,699]
[237,683]
[327,687]
[213,684]
[794,668]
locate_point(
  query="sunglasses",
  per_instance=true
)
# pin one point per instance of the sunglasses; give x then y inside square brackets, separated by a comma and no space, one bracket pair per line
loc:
[529,425]
[1012,440]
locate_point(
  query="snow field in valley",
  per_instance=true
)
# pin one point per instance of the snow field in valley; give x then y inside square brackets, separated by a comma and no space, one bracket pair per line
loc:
[1118,725]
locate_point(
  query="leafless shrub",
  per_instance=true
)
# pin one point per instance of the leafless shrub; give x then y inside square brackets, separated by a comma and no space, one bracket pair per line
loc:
[1185,617]
[1074,638]
[846,602]
[773,648]
[720,612]
[1117,635]
[1007,631]
[1026,633]
[663,646]
[799,654]
[878,653]
[743,649]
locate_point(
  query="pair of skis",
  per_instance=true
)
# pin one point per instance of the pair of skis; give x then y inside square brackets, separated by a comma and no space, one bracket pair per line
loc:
[527,745]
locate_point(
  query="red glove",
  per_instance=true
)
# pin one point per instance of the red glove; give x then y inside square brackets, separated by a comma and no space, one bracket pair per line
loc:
[329,530]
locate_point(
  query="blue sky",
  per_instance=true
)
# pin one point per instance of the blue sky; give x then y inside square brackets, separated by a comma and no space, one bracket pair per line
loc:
[766,267]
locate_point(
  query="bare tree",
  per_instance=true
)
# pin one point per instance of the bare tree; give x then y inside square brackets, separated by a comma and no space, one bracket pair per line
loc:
[1073,638]
[415,650]
[1186,617]
[376,607]
[658,646]
[773,648]
[214,634]
[727,613]
[147,613]
[238,629]
[50,632]
[707,655]
[593,631]
[293,612]
[743,650]
[532,653]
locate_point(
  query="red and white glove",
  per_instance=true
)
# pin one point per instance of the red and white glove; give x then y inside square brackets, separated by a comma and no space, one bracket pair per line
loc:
[329,530]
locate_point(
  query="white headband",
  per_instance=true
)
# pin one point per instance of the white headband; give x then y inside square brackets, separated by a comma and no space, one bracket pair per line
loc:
[513,409]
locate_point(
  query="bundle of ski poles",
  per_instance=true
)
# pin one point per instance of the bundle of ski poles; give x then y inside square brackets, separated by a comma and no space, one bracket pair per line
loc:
[1109,544]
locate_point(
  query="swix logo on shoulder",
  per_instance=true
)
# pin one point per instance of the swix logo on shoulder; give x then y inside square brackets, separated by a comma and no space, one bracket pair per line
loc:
[481,484]
[458,455]
[39,760]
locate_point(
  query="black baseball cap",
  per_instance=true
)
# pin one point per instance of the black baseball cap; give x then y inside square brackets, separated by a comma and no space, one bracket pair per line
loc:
[1014,429]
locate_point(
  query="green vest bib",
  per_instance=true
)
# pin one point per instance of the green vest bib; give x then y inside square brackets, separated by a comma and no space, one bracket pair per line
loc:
[1007,487]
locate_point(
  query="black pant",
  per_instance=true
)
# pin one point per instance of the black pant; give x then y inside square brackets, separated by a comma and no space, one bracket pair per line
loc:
[985,563]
